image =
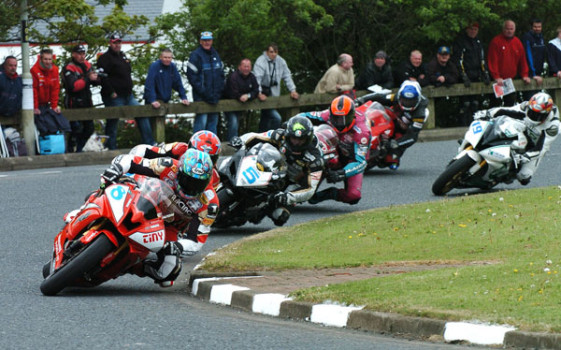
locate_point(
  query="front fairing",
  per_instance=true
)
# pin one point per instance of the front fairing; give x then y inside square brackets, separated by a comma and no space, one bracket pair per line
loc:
[263,166]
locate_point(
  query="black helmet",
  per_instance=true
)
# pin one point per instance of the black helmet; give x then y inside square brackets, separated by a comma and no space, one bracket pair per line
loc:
[299,134]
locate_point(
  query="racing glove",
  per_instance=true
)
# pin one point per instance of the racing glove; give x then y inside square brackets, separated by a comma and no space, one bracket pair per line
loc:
[333,176]
[481,115]
[277,135]
[112,174]
[279,198]
[236,142]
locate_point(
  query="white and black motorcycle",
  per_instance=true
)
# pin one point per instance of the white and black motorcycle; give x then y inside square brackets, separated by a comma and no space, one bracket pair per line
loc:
[486,157]
[248,178]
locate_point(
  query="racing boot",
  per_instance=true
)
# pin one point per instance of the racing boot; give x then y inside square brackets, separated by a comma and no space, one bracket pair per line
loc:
[280,216]
[323,195]
[165,266]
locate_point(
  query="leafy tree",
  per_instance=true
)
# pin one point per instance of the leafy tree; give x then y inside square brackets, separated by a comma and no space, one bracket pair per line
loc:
[311,34]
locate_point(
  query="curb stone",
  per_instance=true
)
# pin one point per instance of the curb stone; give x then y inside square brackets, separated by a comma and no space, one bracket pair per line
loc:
[215,288]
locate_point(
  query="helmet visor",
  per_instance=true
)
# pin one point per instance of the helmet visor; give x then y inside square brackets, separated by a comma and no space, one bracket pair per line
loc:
[340,122]
[408,104]
[189,185]
[537,116]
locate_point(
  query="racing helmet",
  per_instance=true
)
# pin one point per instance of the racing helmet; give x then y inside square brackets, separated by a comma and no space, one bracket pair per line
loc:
[207,142]
[409,95]
[194,173]
[539,107]
[342,113]
[299,134]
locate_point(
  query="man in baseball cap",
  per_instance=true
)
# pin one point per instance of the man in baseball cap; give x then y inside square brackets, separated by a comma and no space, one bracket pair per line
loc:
[115,38]
[79,49]
[206,35]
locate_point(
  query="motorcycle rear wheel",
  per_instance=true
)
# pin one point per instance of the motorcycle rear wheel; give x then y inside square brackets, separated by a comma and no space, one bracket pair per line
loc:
[79,264]
[452,175]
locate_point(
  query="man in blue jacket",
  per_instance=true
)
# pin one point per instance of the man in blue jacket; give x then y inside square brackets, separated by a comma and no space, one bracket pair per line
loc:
[162,78]
[205,72]
[10,87]
[535,48]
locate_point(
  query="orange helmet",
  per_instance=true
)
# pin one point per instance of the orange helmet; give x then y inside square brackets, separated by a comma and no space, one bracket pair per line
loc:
[342,113]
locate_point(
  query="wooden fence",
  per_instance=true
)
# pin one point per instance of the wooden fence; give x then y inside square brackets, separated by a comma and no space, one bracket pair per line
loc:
[286,105]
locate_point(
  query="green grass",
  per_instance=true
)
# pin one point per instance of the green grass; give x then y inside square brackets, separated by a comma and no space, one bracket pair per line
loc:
[517,232]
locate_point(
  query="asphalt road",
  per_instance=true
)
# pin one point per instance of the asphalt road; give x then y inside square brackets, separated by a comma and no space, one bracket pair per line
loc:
[131,312]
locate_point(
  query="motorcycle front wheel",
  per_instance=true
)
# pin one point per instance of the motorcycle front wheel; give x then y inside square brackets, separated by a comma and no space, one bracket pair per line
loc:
[452,175]
[77,266]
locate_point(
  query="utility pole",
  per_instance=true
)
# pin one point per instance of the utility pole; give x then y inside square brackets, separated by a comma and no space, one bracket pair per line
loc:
[27,118]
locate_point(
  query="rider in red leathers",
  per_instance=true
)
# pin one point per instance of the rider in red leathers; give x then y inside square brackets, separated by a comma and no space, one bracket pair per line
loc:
[203,140]
[190,178]
[353,148]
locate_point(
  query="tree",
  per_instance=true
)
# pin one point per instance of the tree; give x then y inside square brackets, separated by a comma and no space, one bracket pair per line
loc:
[311,34]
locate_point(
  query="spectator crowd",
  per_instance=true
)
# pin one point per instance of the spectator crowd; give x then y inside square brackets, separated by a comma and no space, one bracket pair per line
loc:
[466,60]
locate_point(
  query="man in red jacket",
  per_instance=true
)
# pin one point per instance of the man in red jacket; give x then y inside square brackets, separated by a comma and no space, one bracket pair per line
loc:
[46,84]
[506,59]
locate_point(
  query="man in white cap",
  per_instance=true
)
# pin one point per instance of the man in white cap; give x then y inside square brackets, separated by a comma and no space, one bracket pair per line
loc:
[205,72]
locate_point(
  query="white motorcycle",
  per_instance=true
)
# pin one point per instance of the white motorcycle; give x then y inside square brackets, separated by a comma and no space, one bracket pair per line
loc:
[247,179]
[486,157]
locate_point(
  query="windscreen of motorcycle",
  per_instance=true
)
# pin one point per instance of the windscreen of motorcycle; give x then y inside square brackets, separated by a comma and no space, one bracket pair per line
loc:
[327,138]
[263,164]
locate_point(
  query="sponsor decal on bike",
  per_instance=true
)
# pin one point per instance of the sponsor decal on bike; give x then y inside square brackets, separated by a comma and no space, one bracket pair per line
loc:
[153,237]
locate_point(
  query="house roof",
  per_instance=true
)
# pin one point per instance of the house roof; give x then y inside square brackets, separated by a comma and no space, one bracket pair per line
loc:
[149,8]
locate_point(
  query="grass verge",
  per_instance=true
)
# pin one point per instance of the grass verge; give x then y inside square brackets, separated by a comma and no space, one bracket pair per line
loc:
[518,231]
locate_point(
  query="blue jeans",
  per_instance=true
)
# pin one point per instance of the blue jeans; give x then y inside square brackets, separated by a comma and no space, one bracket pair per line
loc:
[145,129]
[111,124]
[232,119]
[270,119]
[206,122]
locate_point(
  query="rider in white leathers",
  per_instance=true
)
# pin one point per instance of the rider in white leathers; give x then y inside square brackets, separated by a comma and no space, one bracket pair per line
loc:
[538,128]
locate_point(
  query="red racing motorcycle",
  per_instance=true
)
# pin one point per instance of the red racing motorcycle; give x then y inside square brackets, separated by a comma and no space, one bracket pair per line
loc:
[382,127]
[114,231]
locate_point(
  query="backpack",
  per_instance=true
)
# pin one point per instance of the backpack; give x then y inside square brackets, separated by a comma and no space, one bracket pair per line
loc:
[15,143]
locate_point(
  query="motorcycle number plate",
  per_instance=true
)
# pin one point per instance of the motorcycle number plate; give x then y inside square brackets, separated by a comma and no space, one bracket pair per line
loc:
[250,176]
[117,195]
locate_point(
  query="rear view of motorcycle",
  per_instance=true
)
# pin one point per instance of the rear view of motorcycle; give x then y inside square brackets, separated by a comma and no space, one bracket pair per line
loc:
[486,157]
[248,178]
[111,234]
[382,127]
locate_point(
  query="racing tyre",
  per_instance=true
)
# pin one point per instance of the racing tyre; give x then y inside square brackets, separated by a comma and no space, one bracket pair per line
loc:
[77,266]
[452,175]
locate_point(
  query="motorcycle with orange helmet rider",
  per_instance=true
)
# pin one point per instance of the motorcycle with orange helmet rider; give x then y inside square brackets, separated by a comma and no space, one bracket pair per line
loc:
[354,133]
[189,177]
